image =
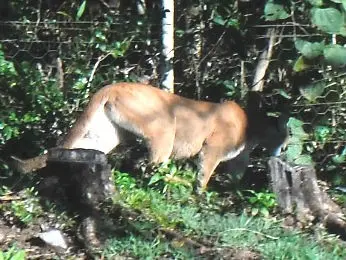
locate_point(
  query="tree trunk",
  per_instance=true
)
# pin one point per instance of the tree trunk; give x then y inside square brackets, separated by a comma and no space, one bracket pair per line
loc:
[83,178]
[168,45]
[299,194]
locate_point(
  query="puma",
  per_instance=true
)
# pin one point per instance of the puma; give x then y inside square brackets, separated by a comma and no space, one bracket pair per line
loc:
[172,126]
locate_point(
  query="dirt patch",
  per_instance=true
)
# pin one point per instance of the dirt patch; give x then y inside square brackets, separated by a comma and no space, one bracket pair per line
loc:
[26,238]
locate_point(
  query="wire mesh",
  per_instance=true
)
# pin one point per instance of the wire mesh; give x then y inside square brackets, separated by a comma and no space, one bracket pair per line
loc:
[87,48]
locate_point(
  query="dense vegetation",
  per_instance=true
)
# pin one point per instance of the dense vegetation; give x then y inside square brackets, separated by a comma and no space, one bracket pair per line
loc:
[55,54]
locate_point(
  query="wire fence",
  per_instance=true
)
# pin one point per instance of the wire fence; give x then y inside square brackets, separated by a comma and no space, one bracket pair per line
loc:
[100,53]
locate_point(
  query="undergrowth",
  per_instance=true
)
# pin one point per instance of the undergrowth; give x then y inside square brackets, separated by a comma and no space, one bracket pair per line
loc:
[171,222]
[170,205]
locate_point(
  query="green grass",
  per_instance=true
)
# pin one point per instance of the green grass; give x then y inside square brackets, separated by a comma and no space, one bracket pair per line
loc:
[162,205]
[12,253]
[174,207]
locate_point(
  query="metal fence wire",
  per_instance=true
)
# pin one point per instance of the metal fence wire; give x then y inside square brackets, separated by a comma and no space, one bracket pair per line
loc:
[97,53]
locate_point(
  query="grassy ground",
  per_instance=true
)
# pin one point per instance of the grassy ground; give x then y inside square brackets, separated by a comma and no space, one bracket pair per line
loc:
[163,219]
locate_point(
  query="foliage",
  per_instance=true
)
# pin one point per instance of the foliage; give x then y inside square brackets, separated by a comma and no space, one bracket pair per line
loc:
[42,96]
[138,247]
[12,253]
[199,219]
[25,209]
[8,120]
[217,47]
[81,10]
[274,11]
[295,148]
[262,203]
[329,18]
[171,176]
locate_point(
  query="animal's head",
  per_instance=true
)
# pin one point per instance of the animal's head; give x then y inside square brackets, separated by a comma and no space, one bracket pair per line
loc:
[267,128]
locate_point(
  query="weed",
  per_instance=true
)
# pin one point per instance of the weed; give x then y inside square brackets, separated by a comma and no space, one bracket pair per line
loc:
[24,207]
[262,203]
[139,247]
[167,205]
[12,254]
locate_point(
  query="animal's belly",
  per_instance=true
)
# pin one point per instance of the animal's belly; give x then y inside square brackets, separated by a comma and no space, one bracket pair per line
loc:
[188,140]
[186,148]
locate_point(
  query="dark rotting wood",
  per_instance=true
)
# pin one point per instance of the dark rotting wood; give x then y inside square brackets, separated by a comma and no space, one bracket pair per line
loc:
[299,194]
[86,156]
[86,178]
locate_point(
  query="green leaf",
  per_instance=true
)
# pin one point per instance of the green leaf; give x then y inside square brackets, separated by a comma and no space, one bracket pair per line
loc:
[218,19]
[329,20]
[316,2]
[300,64]
[322,133]
[304,159]
[273,11]
[283,93]
[312,91]
[155,178]
[264,212]
[173,169]
[293,151]
[254,211]
[296,129]
[179,33]
[81,10]
[20,255]
[335,55]
[308,49]
[340,158]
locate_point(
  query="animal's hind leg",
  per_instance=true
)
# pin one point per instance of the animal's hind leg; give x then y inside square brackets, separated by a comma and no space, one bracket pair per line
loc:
[159,131]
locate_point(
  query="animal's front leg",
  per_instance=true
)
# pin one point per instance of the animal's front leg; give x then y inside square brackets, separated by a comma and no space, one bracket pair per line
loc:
[160,139]
[209,160]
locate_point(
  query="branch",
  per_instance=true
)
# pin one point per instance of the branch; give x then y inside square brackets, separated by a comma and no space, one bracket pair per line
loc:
[263,62]
[242,78]
[97,63]
[60,74]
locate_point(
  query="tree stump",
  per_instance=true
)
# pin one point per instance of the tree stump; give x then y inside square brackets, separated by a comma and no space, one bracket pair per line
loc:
[85,177]
[298,193]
